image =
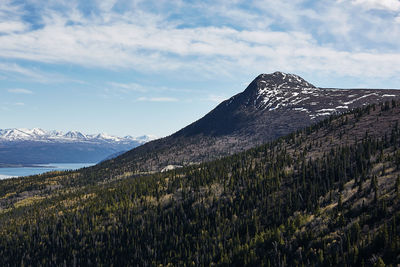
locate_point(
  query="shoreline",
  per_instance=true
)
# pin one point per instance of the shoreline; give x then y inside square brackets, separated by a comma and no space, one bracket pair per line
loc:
[3,176]
[20,170]
[6,165]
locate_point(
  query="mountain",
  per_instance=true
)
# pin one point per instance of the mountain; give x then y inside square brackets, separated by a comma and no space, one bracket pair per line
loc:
[272,105]
[37,146]
[37,134]
[325,195]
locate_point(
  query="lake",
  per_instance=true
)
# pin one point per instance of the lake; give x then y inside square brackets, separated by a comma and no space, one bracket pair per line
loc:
[25,171]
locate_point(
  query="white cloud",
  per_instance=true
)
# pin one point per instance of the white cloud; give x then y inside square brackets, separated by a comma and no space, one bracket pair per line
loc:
[20,91]
[128,87]
[18,72]
[391,5]
[106,5]
[336,39]
[15,68]
[11,18]
[150,48]
[215,98]
[157,99]
[9,8]
[19,104]
[12,26]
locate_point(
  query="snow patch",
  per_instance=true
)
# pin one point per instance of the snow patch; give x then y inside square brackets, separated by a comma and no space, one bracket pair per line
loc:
[2,176]
[170,167]
[361,97]
[326,109]
[301,109]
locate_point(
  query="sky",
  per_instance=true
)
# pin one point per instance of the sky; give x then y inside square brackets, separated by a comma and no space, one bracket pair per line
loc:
[133,67]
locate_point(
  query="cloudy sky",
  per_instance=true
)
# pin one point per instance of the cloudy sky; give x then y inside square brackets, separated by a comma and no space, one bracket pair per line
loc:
[151,67]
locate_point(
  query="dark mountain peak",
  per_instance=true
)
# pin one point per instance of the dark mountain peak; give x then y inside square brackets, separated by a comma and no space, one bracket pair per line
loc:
[279,80]
[270,91]
[267,92]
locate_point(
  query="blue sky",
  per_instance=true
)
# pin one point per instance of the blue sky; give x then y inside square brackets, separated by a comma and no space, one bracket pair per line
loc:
[151,67]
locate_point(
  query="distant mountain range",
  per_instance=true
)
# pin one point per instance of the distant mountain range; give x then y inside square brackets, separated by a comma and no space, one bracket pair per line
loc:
[37,134]
[37,146]
[272,105]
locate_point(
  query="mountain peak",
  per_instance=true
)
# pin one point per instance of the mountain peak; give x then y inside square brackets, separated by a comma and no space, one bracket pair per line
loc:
[74,135]
[274,90]
[281,79]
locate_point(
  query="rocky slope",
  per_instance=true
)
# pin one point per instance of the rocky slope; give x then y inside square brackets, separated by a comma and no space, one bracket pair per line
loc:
[272,105]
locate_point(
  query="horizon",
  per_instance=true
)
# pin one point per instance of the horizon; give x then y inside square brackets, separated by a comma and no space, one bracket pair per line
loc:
[151,68]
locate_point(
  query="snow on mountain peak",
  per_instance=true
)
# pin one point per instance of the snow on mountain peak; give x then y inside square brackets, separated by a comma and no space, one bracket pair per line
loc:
[21,133]
[74,135]
[37,134]
[282,91]
[278,89]
[105,136]
[283,80]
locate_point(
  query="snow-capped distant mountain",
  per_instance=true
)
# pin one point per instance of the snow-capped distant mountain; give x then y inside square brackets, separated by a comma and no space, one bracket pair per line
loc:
[37,146]
[37,134]
[74,135]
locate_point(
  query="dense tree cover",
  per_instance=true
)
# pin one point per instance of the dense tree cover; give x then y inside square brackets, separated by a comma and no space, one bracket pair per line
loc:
[292,202]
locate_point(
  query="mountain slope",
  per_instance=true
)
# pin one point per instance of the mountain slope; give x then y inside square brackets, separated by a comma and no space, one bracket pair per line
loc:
[36,146]
[272,105]
[327,195]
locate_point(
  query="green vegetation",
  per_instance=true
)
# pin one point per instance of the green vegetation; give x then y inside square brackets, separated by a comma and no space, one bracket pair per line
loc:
[324,196]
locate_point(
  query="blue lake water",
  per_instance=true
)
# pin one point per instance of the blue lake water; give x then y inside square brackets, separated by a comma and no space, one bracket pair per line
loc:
[25,171]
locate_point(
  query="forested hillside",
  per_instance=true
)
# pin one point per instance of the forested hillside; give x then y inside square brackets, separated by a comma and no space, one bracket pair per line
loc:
[326,195]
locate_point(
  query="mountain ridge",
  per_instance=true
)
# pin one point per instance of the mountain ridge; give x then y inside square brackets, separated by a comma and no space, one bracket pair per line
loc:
[272,105]
[37,134]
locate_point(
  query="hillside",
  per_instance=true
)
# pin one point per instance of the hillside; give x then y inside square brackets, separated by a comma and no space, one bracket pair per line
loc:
[326,195]
[273,105]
